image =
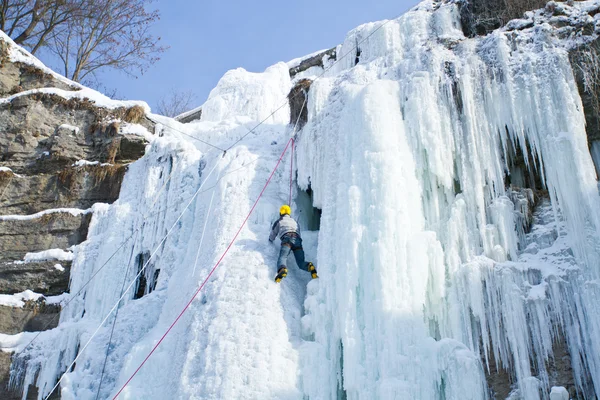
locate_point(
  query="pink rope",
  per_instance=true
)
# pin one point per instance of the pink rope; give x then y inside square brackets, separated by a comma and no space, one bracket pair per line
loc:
[210,274]
[291,171]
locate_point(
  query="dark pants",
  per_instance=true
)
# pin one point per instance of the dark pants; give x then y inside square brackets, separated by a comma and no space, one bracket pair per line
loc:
[289,243]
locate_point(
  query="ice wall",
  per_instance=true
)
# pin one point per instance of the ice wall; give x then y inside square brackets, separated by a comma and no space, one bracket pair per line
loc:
[242,93]
[426,263]
[433,273]
[243,331]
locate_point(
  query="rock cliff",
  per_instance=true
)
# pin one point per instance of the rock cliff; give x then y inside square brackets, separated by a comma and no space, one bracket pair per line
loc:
[63,148]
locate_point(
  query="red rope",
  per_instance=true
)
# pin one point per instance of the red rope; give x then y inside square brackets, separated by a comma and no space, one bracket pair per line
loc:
[210,274]
[291,171]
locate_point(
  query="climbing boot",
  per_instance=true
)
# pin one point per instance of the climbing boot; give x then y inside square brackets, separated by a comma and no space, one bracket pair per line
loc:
[312,270]
[282,273]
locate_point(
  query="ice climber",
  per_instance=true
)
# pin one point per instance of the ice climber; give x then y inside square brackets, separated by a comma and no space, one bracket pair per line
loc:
[287,229]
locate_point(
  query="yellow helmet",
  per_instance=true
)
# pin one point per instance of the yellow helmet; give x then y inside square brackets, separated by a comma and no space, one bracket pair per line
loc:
[285,209]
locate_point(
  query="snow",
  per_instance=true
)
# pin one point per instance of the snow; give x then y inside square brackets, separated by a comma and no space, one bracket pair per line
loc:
[19,54]
[18,299]
[297,61]
[75,129]
[429,274]
[59,267]
[83,163]
[243,93]
[98,98]
[187,113]
[11,343]
[59,299]
[52,254]
[136,129]
[72,211]
[310,73]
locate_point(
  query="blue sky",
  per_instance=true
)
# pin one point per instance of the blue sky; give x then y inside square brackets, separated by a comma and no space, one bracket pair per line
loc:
[207,38]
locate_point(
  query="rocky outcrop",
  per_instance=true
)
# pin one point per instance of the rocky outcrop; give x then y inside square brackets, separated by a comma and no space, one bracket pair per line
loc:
[60,153]
[480,17]
[45,133]
[190,116]
[34,316]
[587,73]
[38,276]
[48,231]
[314,61]
[19,76]
[71,187]
[298,98]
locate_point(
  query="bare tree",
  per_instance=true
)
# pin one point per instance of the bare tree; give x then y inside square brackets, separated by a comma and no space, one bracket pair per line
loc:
[30,22]
[175,103]
[85,35]
[111,34]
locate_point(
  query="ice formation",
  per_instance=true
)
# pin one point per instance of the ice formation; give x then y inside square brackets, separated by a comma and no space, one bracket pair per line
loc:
[433,272]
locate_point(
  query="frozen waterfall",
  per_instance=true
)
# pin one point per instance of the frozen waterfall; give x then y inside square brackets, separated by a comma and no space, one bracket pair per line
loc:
[459,233]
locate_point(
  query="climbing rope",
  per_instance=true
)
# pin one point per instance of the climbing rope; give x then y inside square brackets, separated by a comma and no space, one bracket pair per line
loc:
[293,144]
[112,331]
[291,170]
[74,296]
[82,350]
[210,273]
[185,134]
[204,227]
[125,280]
[162,210]
[287,100]
[290,142]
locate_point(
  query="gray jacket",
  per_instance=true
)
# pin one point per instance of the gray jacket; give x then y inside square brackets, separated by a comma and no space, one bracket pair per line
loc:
[285,224]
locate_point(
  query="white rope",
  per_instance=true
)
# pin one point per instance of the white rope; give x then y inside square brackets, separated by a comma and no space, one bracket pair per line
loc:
[132,282]
[156,249]
[205,223]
